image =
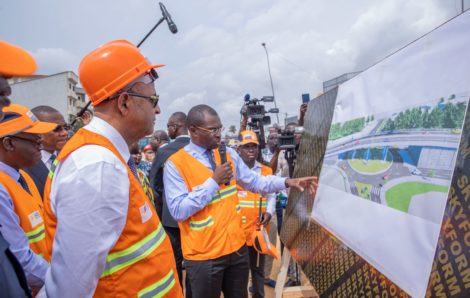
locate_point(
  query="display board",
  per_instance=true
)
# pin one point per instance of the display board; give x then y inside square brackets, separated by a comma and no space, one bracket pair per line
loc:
[393,169]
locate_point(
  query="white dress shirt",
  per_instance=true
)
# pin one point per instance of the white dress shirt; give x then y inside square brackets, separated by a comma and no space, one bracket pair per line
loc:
[34,266]
[182,203]
[90,198]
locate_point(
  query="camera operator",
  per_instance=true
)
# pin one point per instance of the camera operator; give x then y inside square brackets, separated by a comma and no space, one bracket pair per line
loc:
[283,164]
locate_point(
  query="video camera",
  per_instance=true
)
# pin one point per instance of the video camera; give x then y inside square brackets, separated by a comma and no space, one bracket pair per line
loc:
[286,140]
[256,113]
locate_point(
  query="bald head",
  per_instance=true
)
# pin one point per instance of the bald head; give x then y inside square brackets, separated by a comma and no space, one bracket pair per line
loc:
[55,140]
[159,138]
[43,113]
[177,125]
[196,116]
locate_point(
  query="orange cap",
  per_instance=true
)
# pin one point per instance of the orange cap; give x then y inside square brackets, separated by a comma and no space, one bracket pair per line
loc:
[110,67]
[247,137]
[18,118]
[262,245]
[14,61]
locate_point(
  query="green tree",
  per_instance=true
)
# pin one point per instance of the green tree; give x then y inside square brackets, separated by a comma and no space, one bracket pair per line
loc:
[232,129]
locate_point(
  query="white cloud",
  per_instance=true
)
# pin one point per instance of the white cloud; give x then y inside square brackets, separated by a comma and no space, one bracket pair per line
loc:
[54,60]
[217,56]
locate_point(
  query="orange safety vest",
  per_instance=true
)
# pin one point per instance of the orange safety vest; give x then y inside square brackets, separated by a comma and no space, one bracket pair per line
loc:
[141,263]
[249,204]
[215,230]
[30,210]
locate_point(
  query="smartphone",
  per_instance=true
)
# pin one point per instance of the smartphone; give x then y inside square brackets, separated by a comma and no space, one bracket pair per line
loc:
[305,98]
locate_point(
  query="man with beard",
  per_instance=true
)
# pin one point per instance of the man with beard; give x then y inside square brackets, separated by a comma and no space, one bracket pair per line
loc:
[52,143]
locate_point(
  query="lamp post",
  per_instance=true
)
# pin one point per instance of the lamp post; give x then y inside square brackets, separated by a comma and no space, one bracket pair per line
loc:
[270,79]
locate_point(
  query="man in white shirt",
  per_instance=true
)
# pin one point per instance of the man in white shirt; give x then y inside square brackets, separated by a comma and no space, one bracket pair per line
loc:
[52,143]
[108,241]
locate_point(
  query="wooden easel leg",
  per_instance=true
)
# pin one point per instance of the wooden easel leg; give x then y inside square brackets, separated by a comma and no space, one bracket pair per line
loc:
[281,277]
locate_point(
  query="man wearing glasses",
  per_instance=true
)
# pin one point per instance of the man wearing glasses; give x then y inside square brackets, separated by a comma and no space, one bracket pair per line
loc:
[52,143]
[21,209]
[14,61]
[105,238]
[202,196]
[178,132]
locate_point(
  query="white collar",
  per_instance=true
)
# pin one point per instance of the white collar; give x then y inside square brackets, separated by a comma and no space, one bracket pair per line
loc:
[101,127]
[182,136]
[46,156]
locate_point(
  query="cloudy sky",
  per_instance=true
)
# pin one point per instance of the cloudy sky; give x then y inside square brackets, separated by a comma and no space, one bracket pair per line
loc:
[217,57]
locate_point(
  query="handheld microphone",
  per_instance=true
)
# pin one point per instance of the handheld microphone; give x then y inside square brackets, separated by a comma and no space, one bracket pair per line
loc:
[223,156]
[166,15]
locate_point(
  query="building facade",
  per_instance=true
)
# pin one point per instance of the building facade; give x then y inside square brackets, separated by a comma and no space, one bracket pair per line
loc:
[59,91]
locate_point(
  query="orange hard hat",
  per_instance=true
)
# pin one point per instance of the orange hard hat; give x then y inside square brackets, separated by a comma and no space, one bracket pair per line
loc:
[110,67]
[262,245]
[14,61]
[247,137]
[18,118]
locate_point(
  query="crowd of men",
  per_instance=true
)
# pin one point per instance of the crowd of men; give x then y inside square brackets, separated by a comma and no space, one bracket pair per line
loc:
[93,214]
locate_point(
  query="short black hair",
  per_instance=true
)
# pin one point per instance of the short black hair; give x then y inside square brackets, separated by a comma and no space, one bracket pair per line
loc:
[179,116]
[134,148]
[197,113]
[41,111]
[161,134]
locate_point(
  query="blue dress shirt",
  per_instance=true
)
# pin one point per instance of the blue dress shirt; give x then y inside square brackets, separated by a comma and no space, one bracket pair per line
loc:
[34,266]
[182,203]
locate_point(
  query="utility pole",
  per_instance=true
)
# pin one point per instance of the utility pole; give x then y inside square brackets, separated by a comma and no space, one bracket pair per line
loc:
[271,79]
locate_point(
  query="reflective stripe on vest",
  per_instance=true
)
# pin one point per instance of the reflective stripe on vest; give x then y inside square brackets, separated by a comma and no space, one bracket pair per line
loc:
[243,219]
[124,258]
[224,193]
[160,288]
[247,204]
[201,224]
[252,204]
[36,235]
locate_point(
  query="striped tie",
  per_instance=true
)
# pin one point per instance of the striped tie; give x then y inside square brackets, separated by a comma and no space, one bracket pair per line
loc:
[210,157]
[23,183]
[132,166]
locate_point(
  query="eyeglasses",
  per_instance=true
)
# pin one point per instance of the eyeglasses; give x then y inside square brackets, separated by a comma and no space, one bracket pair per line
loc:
[172,125]
[37,141]
[147,78]
[212,131]
[152,98]
[59,128]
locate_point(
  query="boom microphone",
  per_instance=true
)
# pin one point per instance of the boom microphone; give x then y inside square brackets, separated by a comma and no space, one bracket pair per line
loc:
[167,17]
[223,156]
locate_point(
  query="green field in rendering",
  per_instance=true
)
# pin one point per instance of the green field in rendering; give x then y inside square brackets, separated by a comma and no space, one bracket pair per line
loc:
[370,166]
[399,196]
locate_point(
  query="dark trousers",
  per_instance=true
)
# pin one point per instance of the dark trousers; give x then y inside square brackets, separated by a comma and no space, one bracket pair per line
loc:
[175,239]
[228,274]
[257,272]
